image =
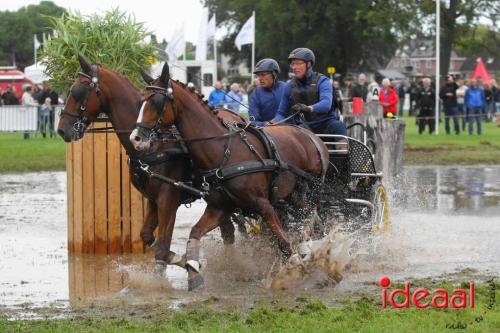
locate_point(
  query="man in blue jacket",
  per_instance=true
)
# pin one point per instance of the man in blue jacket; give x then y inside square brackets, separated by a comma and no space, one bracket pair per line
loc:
[310,93]
[474,102]
[266,98]
[217,97]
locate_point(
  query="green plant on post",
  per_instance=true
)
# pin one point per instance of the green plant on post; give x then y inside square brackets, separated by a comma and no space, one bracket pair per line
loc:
[114,40]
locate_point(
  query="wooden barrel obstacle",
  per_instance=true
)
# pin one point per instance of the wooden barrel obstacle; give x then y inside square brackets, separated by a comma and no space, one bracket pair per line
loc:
[105,211]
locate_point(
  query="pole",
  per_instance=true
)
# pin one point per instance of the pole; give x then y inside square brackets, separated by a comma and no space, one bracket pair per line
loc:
[253,46]
[438,49]
[34,47]
[215,50]
[184,49]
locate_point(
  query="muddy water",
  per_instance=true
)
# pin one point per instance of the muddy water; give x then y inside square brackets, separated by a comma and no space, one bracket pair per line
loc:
[444,220]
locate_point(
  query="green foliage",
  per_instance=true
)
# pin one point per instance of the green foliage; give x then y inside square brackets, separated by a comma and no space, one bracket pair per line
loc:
[115,40]
[17,30]
[480,41]
[350,35]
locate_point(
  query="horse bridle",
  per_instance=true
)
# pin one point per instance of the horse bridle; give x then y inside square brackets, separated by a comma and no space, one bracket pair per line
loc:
[154,129]
[82,120]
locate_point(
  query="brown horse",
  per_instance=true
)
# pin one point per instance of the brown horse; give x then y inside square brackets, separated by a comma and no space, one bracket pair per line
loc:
[99,89]
[215,147]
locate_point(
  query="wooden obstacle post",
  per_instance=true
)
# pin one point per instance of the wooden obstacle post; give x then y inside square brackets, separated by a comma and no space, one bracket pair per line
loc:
[105,211]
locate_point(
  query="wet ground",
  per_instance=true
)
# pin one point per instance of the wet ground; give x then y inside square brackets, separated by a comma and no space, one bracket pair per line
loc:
[445,222]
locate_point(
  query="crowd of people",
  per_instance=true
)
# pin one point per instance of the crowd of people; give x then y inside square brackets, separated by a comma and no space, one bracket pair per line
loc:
[465,103]
[43,97]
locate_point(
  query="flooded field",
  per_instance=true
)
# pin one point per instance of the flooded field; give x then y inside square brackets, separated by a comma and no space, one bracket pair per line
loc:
[445,222]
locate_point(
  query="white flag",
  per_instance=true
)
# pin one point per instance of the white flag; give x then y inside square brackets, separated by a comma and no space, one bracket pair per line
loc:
[201,44]
[211,27]
[176,46]
[246,34]
[36,43]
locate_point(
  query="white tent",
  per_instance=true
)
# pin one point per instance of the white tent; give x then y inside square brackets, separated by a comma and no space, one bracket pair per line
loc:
[36,73]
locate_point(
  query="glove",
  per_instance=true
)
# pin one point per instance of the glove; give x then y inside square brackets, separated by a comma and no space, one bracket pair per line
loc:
[301,108]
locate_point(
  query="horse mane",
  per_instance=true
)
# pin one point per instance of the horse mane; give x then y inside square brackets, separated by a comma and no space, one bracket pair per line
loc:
[203,102]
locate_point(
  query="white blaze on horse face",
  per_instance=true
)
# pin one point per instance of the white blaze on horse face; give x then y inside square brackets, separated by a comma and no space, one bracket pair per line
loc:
[138,145]
[141,113]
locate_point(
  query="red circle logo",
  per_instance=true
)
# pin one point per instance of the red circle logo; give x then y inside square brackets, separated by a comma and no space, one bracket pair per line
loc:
[384,281]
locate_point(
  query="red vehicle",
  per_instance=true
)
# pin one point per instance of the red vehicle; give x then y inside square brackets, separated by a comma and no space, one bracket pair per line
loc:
[10,75]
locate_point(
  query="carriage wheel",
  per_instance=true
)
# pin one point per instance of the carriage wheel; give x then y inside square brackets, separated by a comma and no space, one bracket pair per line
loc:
[380,212]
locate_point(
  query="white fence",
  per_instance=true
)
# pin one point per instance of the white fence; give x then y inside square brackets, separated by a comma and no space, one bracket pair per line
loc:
[22,118]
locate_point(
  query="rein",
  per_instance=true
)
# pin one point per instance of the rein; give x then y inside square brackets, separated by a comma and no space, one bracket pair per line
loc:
[169,94]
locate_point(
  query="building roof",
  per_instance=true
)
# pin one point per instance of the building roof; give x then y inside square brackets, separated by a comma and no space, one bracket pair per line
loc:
[425,48]
[391,74]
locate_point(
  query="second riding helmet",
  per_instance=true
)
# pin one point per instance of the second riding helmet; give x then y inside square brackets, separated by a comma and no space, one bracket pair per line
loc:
[302,53]
[267,65]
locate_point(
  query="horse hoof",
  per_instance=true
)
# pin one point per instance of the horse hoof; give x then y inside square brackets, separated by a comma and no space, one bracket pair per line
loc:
[160,268]
[195,282]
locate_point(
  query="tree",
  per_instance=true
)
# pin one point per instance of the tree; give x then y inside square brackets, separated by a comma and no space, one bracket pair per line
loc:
[17,30]
[114,39]
[458,17]
[350,35]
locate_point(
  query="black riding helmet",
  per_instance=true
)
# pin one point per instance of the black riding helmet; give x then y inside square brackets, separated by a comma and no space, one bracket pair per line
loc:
[267,65]
[302,53]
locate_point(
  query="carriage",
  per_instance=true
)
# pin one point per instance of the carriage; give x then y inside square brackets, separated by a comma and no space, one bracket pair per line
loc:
[352,195]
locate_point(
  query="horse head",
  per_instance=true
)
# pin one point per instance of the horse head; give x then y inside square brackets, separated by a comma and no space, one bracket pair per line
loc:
[158,109]
[84,102]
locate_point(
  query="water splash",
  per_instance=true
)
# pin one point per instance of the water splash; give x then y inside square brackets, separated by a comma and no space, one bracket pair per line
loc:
[322,266]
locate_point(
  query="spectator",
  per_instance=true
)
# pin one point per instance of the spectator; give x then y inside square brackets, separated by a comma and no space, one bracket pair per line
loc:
[489,102]
[388,99]
[338,104]
[462,110]
[361,89]
[475,102]
[234,98]
[253,86]
[496,95]
[449,96]
[28,100]
[425,103]
[347,92]
[54,100]
[45,110]
[9,97]
[217,97]
[414,90]
[401,96]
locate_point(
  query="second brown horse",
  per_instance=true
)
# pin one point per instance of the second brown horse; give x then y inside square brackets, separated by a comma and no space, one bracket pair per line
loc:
[213,144]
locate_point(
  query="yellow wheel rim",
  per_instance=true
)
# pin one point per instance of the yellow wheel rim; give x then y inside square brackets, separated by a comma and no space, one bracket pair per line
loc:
[380,213]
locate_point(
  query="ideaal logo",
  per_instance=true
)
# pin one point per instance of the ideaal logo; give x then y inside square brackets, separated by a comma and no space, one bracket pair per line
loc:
[460,298]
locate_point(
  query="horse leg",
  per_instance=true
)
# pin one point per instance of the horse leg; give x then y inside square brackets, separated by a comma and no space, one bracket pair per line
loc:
[210,219]
[150,223]
[168,202]
[269,215]
[227,230]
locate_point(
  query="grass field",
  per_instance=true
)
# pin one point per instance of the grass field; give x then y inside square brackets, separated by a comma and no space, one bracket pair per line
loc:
[35,154]
[39,154]
[451,149]
[363,315]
